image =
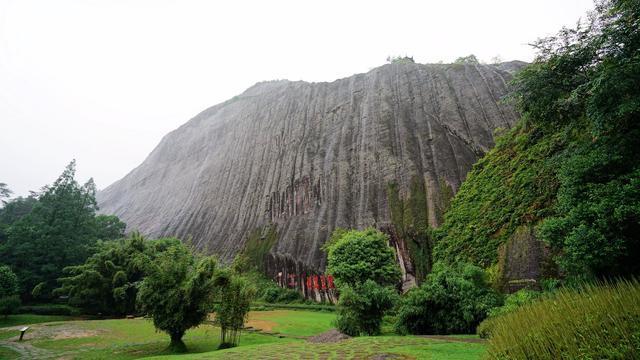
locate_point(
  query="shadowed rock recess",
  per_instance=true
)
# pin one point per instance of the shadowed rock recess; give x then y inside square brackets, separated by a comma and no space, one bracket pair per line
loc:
[298,159]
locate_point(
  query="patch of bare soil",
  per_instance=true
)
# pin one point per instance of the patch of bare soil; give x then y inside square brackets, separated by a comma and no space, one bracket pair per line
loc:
[73,333]
[331,336]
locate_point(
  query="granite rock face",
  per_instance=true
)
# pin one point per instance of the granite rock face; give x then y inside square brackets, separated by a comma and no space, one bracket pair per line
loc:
[310,157]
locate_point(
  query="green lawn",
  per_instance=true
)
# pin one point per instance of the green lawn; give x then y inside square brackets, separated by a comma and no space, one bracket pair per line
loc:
[408,347]
[292,322]
[136,338]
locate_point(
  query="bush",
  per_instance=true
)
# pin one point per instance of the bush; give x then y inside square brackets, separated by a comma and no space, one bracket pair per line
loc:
[511,303]
[594,322]
[9,305]
[9,300]
[276,294]
[358,256]
[451,300]
[361,308]
[49,309]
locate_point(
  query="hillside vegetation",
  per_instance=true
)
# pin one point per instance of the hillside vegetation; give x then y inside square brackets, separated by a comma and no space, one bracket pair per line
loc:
[569,170]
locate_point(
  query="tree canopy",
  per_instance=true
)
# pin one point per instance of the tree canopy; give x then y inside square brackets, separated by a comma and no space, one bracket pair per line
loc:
[358,256]
[52,230]
[108,281]
[178,292]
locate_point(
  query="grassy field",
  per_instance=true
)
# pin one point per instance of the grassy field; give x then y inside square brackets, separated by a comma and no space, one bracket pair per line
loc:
[282,337]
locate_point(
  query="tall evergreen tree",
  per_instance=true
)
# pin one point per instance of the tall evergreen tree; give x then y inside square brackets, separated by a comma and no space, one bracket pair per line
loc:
[59,231]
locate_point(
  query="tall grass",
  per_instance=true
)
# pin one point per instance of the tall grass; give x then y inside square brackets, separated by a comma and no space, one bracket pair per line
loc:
[596,321]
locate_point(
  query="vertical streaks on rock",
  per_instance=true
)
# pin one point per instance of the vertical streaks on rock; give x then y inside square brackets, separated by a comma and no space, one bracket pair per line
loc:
[309,157]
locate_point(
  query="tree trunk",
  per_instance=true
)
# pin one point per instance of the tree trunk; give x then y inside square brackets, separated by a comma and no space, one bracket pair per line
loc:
[177,345]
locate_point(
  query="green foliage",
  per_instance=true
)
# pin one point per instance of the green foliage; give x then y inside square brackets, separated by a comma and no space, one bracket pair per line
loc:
[59,230]
[178,292]
[593,322]
[410,221]
[362,307]
[589,79]
[469,59]
[258,245]
[571,164]
[108,281]
[5,192]
[9,300]
[400,59]
[234,297]
[362,255]
[512,302]
[452,300]
[109,227]
[513,185]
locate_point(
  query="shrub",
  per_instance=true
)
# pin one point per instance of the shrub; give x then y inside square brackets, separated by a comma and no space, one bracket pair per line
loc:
[451,300]
[234,302]
[9,300]
[511,303]
[600,321]
[361,308]
[358,256]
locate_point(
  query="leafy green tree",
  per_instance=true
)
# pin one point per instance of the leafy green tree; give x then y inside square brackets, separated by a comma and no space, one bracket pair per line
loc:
[234,295]
[108,281]
[9,300]
[358,256]
[365,270]
[469,59]
[178,292]
[361,308]
[452,300]
[59,231]
[588,79]
[109,227]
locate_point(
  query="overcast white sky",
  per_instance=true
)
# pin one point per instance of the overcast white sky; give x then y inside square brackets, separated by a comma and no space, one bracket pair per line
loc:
[103,81]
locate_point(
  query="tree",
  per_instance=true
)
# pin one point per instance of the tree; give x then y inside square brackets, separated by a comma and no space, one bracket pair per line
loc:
[400,59]
[470,59]
[108,281]
[234,296]
[365,269]
[178,292]
[358,256]
[361,308]
[59,231]
[452,300]
[109,227]
[9,300]
[587,81]
[5,192]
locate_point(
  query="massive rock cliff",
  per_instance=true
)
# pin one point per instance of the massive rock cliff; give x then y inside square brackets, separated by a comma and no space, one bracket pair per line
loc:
[284,163]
